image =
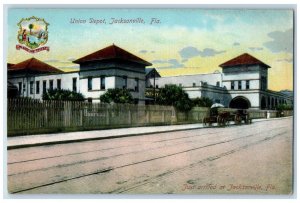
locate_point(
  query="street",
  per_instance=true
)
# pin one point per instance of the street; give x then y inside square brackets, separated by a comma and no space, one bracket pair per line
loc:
[245,159]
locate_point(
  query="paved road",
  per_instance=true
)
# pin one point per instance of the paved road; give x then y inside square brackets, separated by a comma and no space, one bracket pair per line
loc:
[244,159]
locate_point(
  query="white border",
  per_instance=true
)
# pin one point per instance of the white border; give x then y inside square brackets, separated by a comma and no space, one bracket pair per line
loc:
[147,3]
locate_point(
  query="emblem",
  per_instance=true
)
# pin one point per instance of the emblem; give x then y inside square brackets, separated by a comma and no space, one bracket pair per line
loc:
[33,34]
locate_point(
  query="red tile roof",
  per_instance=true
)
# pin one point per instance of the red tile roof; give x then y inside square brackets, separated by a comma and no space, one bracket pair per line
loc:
[244,59]
[112,52]
[34,65]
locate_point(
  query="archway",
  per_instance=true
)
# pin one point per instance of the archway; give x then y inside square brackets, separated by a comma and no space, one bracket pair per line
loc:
[263,104]
[240,103]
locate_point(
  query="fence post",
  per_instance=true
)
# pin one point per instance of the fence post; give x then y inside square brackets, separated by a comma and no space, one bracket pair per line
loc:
[129,116]
[163,116]
[107,115]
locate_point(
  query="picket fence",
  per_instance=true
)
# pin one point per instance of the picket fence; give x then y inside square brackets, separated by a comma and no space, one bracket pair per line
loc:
[34,116]
[28,116]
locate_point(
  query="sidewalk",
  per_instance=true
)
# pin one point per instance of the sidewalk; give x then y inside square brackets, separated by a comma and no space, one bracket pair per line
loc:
[59,138]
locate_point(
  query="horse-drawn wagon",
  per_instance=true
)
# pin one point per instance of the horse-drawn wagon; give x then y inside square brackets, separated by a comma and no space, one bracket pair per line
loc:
[223,116]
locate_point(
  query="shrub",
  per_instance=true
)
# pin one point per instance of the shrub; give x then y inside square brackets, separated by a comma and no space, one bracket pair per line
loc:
[117,96]
[175,96]
[63,95]
[202,102]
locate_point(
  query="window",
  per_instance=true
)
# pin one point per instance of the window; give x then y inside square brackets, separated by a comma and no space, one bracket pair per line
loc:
[240,85]
[37,87]
[218,84]
[124,82]
[58,84]
[31,87]
[44,86]
[263,83]
[51,84]
[20,87]
[194,84]
[232,85]
[136,87]
[102,83]
[247,84]
[90,83]
[74,84]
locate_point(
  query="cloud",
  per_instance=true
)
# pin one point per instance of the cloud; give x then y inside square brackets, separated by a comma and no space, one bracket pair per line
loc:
[190,52]
[285,60]
[71,59]
[281,41]
[51,60]
[210,52]
[143,51]
[171,63]
[184,60]
[256,48]
[236,44]
[158,61]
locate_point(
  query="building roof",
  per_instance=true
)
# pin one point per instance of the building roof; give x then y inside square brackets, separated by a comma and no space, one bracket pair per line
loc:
[244,59]
[151,72]
[112,52]
[33,65]
[10,65]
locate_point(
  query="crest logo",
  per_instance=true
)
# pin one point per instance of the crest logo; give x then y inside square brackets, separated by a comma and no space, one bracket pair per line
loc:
[33,34]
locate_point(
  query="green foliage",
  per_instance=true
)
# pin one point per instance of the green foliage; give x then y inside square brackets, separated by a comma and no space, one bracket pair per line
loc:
[202,102]
[63,95]
[117,96]
[282,107]
[30,27]
[175,96]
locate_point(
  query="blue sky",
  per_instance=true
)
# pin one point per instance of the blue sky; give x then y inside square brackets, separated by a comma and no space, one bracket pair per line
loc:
[186,41]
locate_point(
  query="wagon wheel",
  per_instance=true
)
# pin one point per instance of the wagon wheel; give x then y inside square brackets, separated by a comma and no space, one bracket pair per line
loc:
[223,121]
[226,121]
[219,120]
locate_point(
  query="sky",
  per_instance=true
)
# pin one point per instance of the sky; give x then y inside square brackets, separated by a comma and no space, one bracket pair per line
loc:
[178,42]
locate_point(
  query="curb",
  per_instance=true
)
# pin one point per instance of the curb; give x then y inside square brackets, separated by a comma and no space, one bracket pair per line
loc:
[125,135]
[96,138]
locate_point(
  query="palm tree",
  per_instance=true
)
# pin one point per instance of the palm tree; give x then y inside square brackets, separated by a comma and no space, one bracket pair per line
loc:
[30,27]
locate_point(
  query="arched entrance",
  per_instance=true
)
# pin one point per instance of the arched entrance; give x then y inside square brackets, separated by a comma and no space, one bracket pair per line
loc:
[263,104]
[240,103]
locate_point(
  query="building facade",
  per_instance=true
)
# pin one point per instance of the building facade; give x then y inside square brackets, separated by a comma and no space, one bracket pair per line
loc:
[108,68]
[243,82]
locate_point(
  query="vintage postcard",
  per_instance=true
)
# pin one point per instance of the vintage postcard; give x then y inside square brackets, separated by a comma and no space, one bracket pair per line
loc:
[150,101]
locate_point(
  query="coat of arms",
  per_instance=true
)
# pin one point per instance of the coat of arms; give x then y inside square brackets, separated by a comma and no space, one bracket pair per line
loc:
[33,33]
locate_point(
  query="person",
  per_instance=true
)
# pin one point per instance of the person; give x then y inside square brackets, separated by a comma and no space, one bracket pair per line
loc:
[24,35]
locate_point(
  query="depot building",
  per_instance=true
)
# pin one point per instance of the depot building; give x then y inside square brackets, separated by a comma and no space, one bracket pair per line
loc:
[243,82]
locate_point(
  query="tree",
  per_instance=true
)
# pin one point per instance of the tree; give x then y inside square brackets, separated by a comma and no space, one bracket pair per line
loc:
[282,107]
[30,27]
[64,95]
[202,102]
[175,96]
[117,96]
